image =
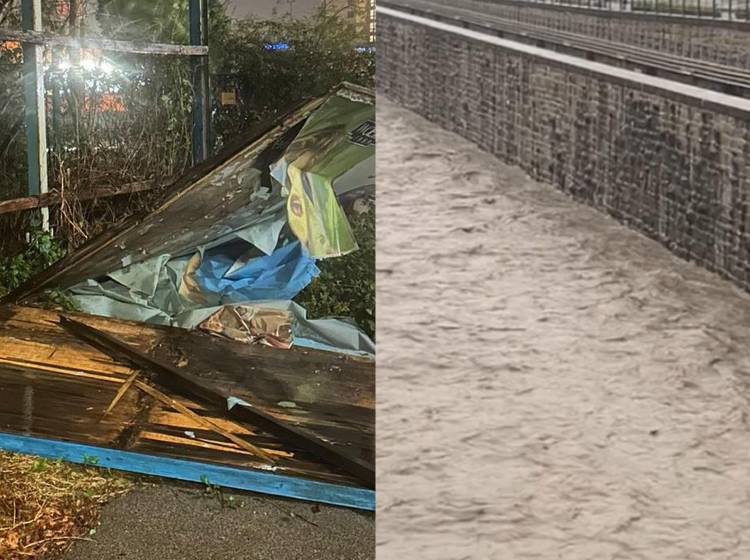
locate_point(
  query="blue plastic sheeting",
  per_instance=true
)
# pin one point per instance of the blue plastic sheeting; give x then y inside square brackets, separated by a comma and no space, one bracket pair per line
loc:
[179,469]
[280,275]
[330,334]
[156,291]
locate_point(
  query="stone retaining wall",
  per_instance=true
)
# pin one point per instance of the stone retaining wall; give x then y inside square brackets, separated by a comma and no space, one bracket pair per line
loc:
[673,169]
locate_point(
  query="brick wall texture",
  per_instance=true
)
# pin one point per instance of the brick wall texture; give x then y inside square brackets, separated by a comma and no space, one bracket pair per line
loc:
[721,42]
[659,163]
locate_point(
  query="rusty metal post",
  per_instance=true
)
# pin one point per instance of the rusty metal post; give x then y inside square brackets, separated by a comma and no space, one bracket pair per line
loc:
[201,92]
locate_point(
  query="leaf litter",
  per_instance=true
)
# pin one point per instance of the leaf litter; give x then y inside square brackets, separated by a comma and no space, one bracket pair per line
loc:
[46,506]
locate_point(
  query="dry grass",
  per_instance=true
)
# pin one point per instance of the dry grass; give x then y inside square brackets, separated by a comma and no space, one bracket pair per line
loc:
[46,506]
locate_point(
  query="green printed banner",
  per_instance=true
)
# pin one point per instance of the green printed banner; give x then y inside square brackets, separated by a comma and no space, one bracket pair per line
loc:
[336,138]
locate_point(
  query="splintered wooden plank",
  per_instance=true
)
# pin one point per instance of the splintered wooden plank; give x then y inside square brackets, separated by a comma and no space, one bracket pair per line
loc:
[121,392]
[185,423]
[187,384]
[205,422]
[206,447]
[32,338]
[40,403]
[331,395]
[38,356]
[202,197]
[48,404]
[219,475]
[54,198]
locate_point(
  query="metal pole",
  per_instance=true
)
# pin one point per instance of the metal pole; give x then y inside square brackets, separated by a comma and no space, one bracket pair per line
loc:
[201,100]
[36,111]
[55,83]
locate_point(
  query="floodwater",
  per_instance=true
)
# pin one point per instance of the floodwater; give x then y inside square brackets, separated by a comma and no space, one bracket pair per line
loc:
[551,384]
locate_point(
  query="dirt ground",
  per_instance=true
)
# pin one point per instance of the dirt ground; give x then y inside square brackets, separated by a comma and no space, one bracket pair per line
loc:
[176,522]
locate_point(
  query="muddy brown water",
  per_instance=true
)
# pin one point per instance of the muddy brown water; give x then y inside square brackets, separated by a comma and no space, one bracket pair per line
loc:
[551,385]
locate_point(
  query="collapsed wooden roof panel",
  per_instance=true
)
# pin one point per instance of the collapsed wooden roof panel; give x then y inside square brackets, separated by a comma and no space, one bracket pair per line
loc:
[199,206]
[53,385]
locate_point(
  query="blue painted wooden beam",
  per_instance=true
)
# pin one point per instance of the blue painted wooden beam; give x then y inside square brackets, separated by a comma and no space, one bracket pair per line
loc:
[190,471]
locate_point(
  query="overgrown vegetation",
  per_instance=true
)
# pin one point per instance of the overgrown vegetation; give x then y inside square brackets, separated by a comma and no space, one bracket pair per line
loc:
[46,506]
[118,118]
[122,118]
[40,252]
[267,81]
[346,285]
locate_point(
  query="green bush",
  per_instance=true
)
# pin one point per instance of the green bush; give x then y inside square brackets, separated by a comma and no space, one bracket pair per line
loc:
[346,285]
[321,54]
[40,252]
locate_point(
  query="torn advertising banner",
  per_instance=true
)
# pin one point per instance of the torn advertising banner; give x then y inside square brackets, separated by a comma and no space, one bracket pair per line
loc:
[252,324]
[335,139]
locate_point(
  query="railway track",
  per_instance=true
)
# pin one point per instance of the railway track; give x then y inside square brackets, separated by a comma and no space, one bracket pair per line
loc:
[717,77]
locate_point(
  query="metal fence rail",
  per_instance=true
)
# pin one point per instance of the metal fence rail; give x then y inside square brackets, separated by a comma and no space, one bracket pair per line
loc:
[730,10]
[34,39]
[708,75]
